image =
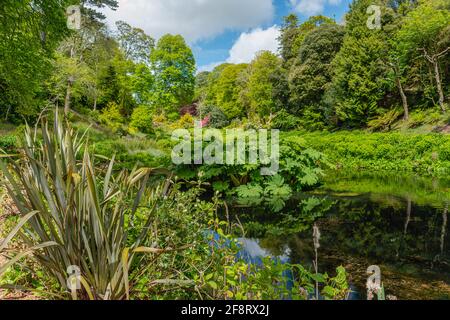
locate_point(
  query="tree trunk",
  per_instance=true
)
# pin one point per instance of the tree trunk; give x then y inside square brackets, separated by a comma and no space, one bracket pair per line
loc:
[7,112]
[439,85]
[69,86]
[398,81]
[404,98]
[68,97]
[434,60]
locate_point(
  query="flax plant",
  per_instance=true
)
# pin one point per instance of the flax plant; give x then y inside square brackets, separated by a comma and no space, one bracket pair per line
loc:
[75,216]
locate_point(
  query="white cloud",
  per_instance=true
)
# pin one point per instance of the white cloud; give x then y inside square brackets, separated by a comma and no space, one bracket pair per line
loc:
[248,45]
[193,19]
[312,7]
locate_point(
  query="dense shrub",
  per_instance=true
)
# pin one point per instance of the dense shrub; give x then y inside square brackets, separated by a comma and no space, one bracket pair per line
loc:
[141,119]
[8,142]
[421,153]
[285,121]
[385,121]
[300,168]
[185,122]
[112,117]
[216,117]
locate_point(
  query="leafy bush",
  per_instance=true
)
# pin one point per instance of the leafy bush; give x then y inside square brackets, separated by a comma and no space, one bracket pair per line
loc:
[385,121]
[312,119]
[416,119]
[125,240]
[424,117]
[285,121]
[185,122]
[142,119]
[216,117]
[112,117]
[108,148]
[444,151]
[301,168]
[8,143]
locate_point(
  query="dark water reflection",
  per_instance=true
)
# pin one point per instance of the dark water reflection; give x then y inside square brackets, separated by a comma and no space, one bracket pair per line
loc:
[400,224]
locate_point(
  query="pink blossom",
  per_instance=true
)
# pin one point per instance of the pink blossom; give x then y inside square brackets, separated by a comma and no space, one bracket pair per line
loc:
[205,121]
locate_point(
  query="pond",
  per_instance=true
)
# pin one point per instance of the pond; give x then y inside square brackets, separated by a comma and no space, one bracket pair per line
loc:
[397,223]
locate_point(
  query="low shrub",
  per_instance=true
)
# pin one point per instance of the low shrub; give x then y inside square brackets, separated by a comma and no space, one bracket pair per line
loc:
[8,143]
[142,120]
[216,118]
[111,117]
[285,121]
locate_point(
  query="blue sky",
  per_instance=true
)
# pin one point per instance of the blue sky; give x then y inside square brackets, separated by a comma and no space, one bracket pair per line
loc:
[221,30]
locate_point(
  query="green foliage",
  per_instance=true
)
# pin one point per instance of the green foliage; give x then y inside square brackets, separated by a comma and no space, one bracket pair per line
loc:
[398,152]
[241,281]
[293,34]
[72,218]
[216,117]
[311,70]
[424,117]
[24,51]
[136,45]
[8,143]
[258,90]
[70,69]
[185,122]
[173,65]
[423,27]
[361,69]
[112,117]
[285,121]
[142,119]
[224,89]
[385,121]
[142,82]
[274,194]
[421,43]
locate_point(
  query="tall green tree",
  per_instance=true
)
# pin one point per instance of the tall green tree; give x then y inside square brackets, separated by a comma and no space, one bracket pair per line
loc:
[293,33]
[426,33]
[137,48]
[225,87]
[311,72]
[201,85]
[360,69]
[136,45]
[116,83]
[173,66]
[258,92]
[395,13]
[29,33]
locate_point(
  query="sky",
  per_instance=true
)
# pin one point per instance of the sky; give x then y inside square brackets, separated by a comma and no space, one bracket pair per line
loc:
[221,31]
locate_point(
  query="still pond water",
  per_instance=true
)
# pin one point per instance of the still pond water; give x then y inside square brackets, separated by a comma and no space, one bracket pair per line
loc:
[398,223]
